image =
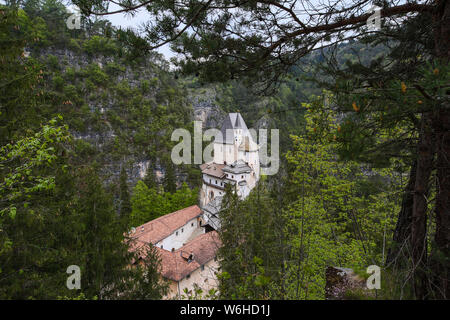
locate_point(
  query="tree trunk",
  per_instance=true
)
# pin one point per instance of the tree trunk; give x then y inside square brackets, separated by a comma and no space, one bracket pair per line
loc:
[425,155]
[441,251]
[398,253]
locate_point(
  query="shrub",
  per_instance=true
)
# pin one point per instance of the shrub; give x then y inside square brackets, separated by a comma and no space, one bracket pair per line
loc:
[74,45]
[96,75]
[71,92]
[114,69]
[53,62]
[100,45]
[70,74]
[58,82]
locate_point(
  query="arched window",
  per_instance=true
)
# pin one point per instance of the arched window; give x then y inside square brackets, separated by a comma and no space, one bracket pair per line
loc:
[211,195]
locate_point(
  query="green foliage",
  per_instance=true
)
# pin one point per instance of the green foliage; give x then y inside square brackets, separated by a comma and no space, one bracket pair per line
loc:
[99,45]
[336,224]
[125,203]
[114,69]
[278,243]
[150,203]
[73,222]
[147,283]
[28,163]
[58,83]
[169,178]
[20,76]
[150,179]
[53,62]
[56,207]
[198,294]
[74,45]
[96,74]
[251,253]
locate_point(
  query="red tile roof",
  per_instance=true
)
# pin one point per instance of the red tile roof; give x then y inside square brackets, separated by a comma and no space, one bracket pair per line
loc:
[175,265]
[213,169]
[162,227]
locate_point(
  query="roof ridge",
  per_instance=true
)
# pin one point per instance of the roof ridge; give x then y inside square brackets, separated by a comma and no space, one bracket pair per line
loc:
[165,216]
[196,239]
[237,123]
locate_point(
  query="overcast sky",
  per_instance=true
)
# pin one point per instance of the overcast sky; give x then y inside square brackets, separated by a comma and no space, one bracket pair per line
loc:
[126,20]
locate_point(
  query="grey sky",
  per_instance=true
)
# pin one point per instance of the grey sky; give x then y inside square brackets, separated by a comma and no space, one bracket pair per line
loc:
[126,20]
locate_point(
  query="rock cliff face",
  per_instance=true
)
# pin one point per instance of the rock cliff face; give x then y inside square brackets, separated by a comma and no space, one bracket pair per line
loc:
[125,113]
[106,115]
[101,135]
[344,284]
[206,109]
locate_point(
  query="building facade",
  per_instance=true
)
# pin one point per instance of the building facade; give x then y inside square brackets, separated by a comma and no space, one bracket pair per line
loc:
[236,162]
[187,252]
[187,240]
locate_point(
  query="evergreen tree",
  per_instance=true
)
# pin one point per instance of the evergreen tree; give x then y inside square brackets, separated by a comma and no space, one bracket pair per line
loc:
[147,282]
[20,76]
[37,225]
[149,204]
[150,178]
[169,178]
[125,203]
[415,94]
[251,250]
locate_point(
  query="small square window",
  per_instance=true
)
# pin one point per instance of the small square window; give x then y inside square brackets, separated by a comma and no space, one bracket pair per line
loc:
[192,224]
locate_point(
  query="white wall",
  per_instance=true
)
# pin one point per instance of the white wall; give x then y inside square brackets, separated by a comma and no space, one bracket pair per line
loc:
[211,220]
[184,234]
[213,180]
[225,153]
[231,154]
[218,153]
[205,279]
[207,189]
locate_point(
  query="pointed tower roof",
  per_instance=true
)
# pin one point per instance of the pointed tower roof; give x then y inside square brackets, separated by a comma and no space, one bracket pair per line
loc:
[231,122]
[237,124]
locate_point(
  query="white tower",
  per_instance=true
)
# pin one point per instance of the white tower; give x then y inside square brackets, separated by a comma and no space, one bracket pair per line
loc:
[236,162]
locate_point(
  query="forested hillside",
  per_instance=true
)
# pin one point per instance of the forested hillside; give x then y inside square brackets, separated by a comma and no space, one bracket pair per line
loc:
[86,118]
[93,120]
